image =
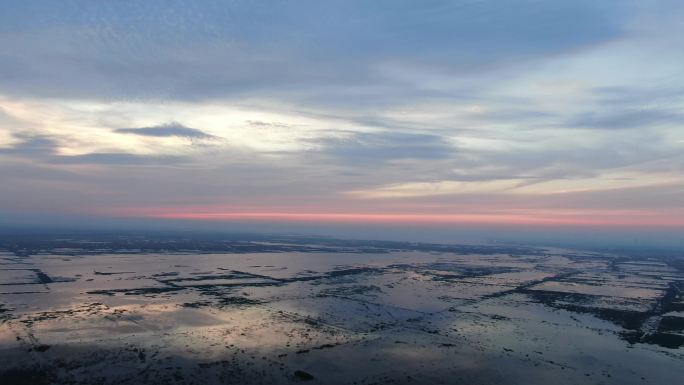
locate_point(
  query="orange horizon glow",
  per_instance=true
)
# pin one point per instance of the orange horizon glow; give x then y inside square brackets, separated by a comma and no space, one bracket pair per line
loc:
[558,218]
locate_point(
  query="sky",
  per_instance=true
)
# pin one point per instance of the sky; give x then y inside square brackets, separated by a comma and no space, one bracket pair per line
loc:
[555,114]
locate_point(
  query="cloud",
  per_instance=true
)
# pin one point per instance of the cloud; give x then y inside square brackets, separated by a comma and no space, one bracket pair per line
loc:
[626,119]
[120,159]
[167,130]
[260,123]
[43,149]
[346,51]
[31,146]
[301,104]
[385,146]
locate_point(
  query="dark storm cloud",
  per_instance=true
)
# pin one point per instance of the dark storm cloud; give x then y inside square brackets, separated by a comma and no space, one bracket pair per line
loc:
[167,130]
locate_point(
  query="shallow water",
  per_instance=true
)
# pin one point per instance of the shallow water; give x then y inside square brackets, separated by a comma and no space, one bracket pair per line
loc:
[394,317]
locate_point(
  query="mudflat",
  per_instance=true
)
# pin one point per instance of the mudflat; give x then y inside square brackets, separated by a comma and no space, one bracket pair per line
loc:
[326,311]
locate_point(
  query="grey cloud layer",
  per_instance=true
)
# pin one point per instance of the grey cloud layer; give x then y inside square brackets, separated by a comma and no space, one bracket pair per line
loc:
[167,130]
[367,64]
[372,148]
[43,150]
[195,50]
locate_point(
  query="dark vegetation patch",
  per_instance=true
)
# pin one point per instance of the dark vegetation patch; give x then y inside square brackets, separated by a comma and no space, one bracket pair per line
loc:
[302,375]
[223,301]
[137,291]
[525,287]
[238,301]
[167,274]
[28,376]
[666,340]
[84,243]
[582,303]
[449,271]
[86,309]
[671,324]
[197,304]
[676,306]
[41,348]
[112,272]
[631,321]
[321,347]
[42,277]
[334,274]
[345,291]
[213,288]
[204,277]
